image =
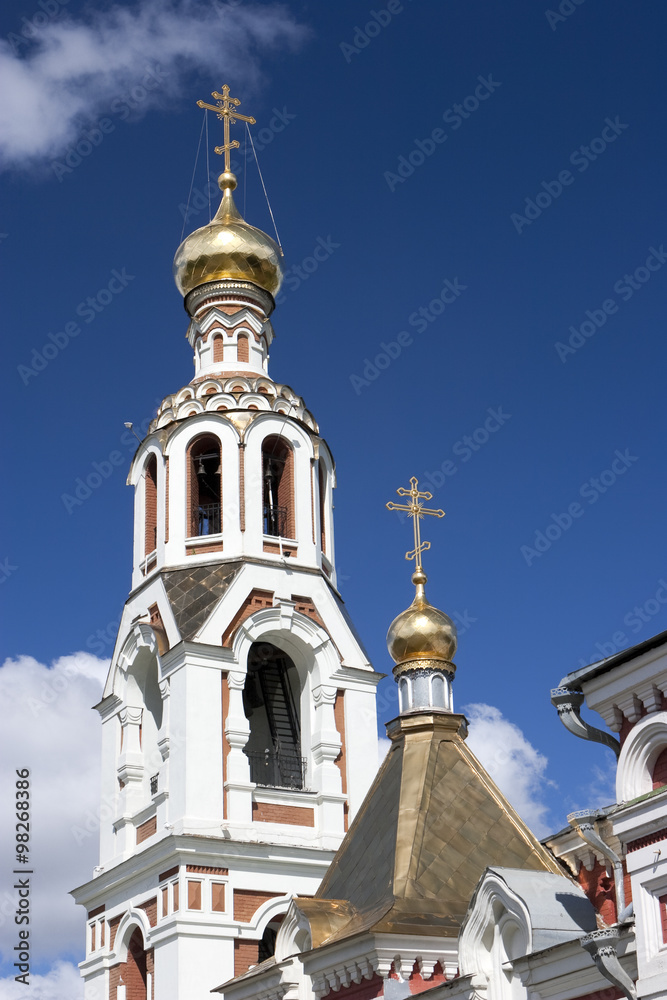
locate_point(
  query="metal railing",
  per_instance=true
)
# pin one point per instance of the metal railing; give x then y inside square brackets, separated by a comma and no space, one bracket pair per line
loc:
[275,521]
[277,770]
[208,519]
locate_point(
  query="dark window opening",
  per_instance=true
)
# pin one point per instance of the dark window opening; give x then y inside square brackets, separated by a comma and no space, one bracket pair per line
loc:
[278,488]
[267,945]
[205,495]
[270,702]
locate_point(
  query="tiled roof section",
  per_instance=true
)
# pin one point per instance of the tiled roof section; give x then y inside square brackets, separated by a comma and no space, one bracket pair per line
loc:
[194,593]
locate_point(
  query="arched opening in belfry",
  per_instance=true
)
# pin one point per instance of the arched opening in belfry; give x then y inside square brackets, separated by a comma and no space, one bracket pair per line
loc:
[271,705]
[135,973]
[204,487]
[278,488]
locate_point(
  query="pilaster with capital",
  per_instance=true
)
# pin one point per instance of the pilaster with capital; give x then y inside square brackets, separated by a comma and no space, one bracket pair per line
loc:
[237,732]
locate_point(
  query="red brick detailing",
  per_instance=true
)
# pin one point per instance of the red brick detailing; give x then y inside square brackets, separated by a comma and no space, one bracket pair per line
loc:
[599,888]
[133,972]
[150,908]
[255,601]
[96,912]
[663,917]
[248,901]
[197,550]
[166,499]
[165,900]
[218,348]
[242,485]
[103,924]
[246,953]
[627,726]
[274,547]
[92,938]
[225,742]
[367,989]
[113,927]
[168,874]
[176,896]
[150,480]
[194,895]
[323,493]
[147,829]
[660,770]
[627,885]
[206,870]
[218,897]
[651,838]
[419,985]
[341,760]
[243,350]
[267,812]
[306,607]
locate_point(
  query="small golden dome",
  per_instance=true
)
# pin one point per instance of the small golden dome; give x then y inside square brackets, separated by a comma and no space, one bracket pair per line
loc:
[421,632]
[228,248]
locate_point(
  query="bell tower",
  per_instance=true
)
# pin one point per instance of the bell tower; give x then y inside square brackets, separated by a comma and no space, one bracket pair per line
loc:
[238,717]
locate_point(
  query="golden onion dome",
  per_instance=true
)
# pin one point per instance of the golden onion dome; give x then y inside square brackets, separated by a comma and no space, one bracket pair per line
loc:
[228,248]
[421,632]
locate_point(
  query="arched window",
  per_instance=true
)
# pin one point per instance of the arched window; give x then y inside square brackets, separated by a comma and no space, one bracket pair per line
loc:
[322,478]
[243,349]
[278,488]
[218,349]
[271,704]
[204,501]
[267,944]
[660,771]
[150,507]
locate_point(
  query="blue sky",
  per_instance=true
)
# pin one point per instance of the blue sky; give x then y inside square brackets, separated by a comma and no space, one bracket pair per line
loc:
[500,168]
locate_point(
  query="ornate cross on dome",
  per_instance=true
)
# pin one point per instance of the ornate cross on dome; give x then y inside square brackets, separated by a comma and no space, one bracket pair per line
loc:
[416,511]
[226,113]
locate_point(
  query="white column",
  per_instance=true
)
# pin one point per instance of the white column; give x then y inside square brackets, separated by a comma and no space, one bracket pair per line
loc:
[325,747]
[237,730]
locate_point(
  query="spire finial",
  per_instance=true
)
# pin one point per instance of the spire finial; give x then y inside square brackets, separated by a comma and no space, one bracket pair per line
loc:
[416,511]
[225,110]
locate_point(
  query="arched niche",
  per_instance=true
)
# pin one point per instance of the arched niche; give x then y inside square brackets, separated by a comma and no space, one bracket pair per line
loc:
[272,705]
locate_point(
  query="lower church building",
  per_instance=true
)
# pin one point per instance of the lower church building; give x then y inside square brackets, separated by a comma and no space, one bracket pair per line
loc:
[253,849]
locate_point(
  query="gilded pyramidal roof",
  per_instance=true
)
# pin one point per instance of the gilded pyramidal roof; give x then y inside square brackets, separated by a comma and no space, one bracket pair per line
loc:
[431,824]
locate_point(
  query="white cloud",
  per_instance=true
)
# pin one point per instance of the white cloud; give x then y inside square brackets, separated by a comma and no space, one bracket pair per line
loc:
[383,748]
[73,70]
[515,765]
[62,982]
[48,727]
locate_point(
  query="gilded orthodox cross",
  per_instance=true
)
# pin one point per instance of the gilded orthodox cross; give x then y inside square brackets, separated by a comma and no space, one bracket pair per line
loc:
[225,111]
[416,511]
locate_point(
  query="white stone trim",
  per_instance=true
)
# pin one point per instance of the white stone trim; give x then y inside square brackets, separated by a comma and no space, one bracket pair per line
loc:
[644,743]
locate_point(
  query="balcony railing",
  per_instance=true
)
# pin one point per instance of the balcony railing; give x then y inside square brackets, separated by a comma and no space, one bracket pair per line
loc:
[208,519]
[275,521]
[277,770]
